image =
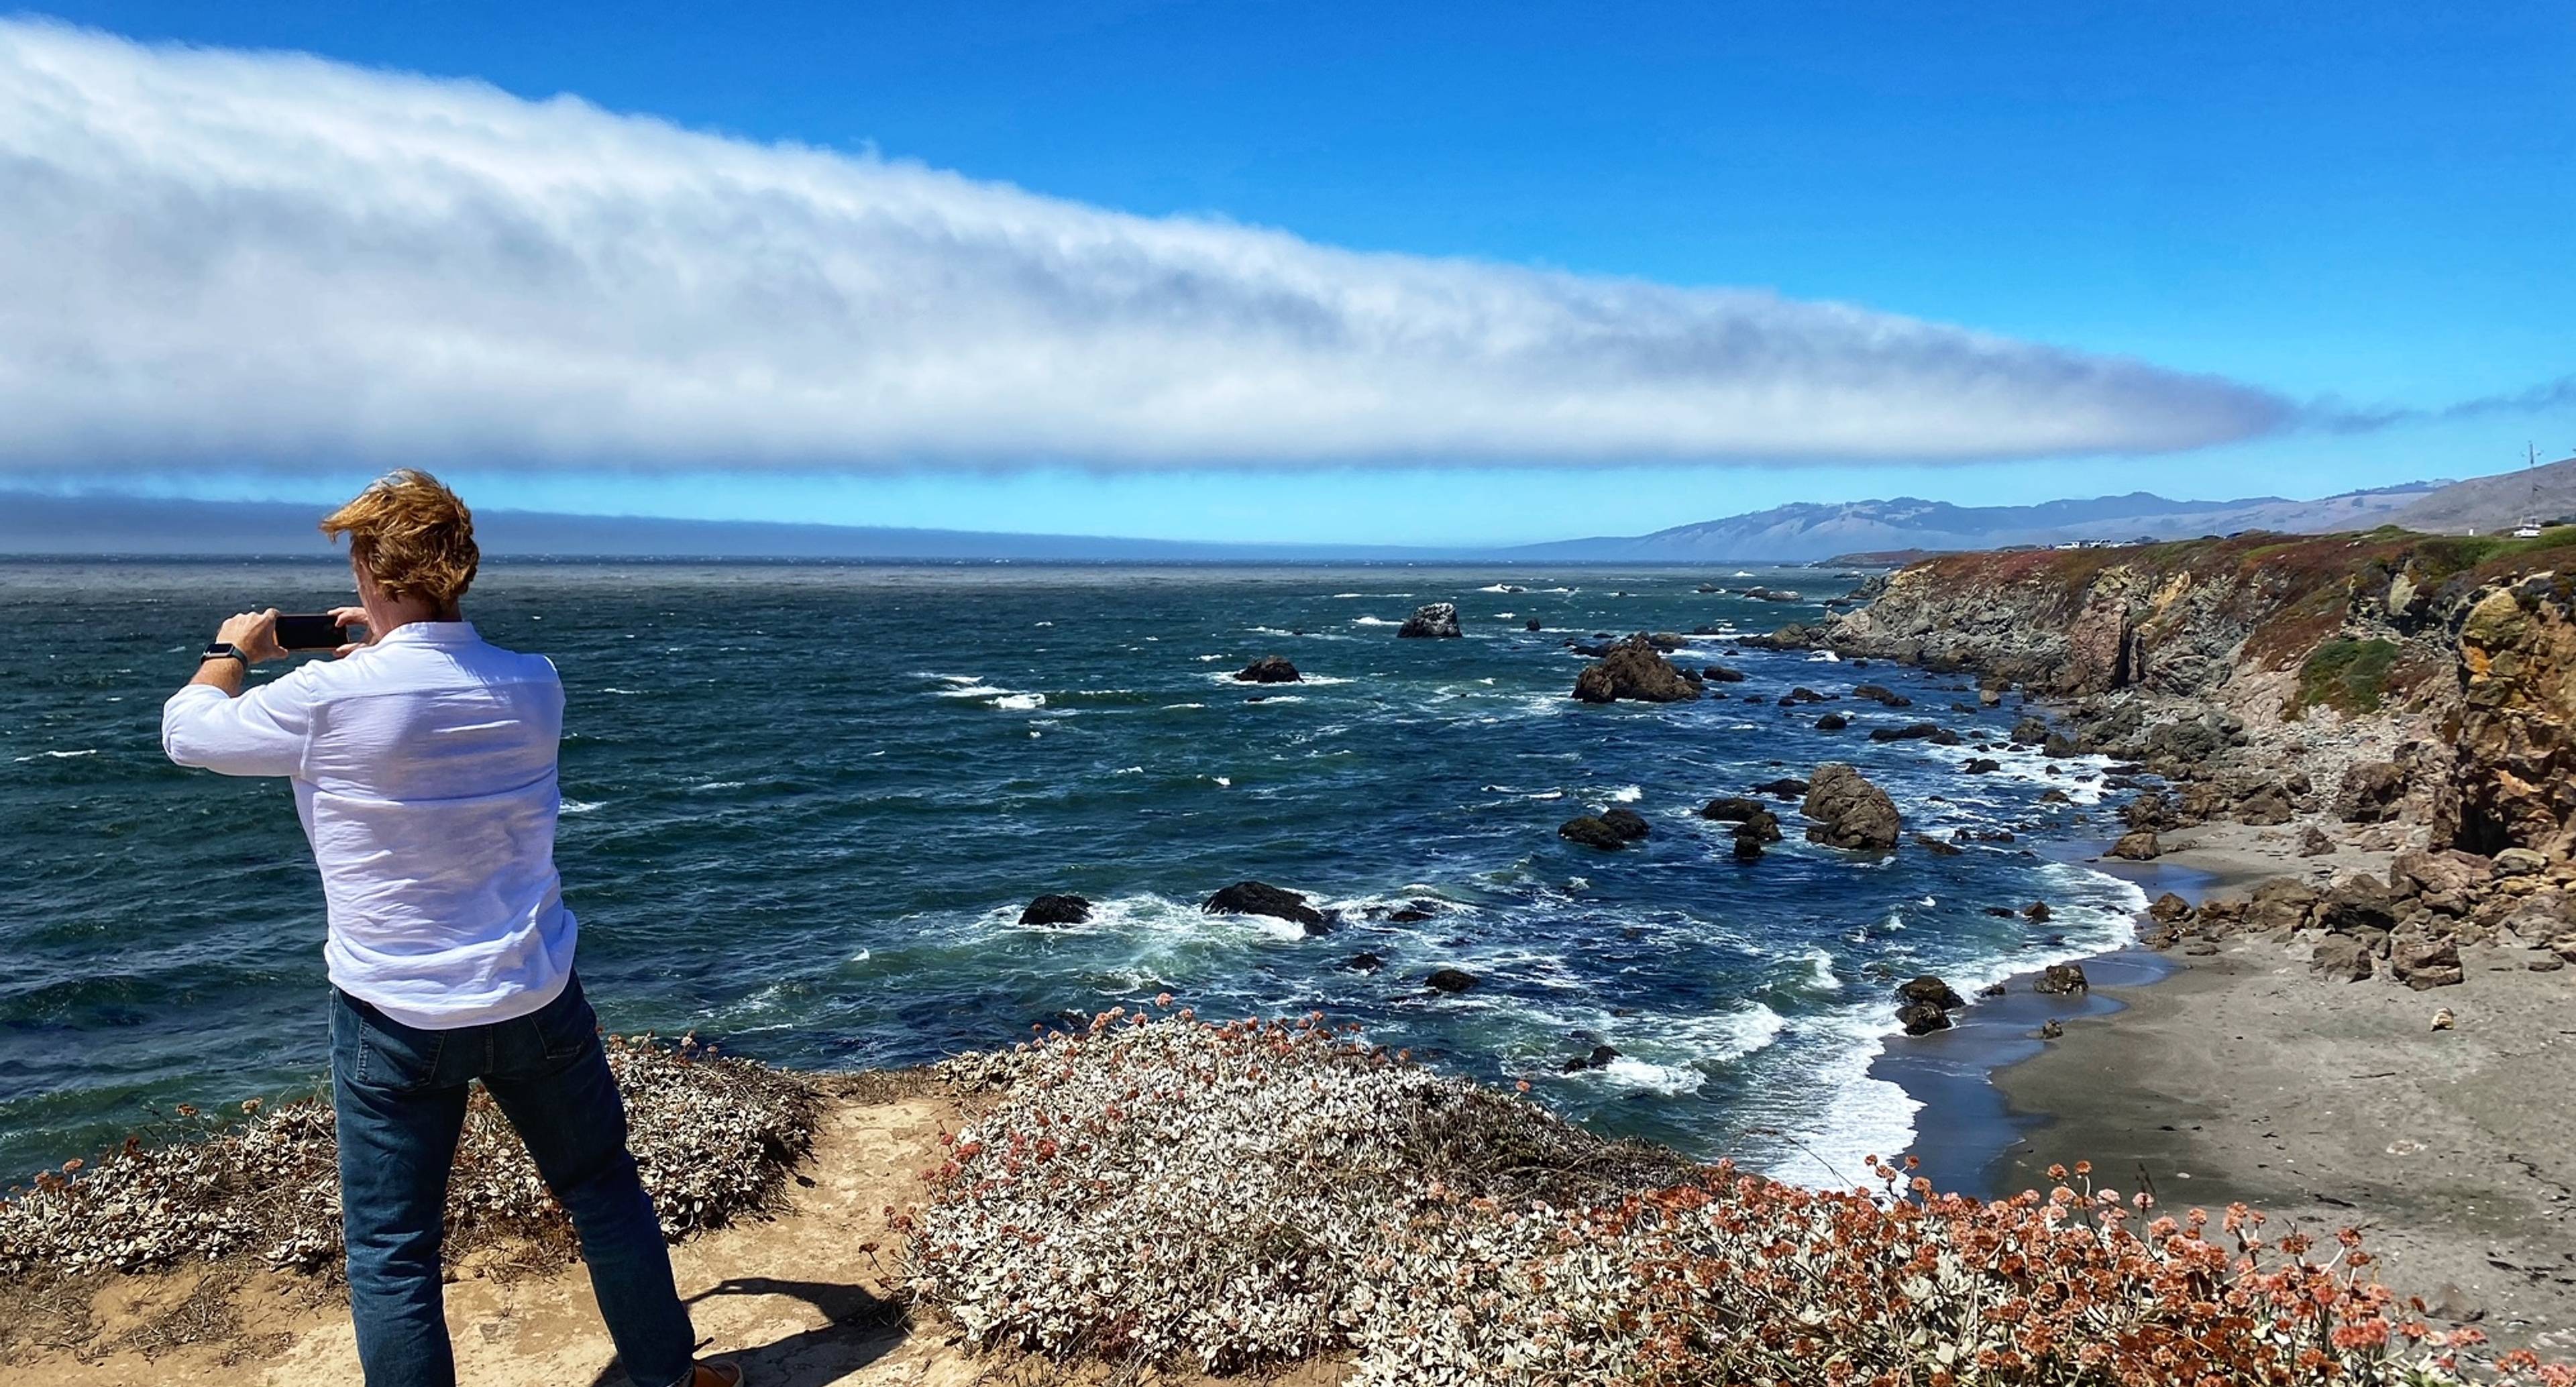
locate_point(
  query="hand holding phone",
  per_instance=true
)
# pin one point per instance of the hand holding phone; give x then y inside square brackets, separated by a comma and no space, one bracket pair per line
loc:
[312,631]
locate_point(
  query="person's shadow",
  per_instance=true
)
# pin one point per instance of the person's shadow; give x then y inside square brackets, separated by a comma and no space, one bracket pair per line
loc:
[863,1328]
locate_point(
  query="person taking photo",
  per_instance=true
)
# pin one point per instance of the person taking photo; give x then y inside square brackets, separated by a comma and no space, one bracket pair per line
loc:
[423,762]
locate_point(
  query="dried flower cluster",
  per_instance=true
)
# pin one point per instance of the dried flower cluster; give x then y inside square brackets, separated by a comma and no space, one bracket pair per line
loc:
[713,1136]
[1155,1189]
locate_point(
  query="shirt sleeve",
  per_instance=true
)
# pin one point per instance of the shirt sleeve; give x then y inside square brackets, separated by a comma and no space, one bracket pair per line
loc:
[263,732]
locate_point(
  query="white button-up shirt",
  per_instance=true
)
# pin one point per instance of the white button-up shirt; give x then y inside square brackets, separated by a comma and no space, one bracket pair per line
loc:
[424,772]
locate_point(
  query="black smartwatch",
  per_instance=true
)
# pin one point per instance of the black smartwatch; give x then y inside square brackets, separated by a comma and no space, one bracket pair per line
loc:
[223,650]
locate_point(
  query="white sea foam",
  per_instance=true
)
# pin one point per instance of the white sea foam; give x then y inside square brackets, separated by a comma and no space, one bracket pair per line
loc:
[1021,703]
[972,691]
[1863,1115]
[1373,621]
[1627,794]
[1129,770]
[59,755]
[717,785]
[1168,707]
[582,806]
[1223,781]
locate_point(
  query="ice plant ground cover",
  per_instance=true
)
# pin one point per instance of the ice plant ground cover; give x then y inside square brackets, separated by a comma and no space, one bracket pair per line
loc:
[713,1136]
[1156,1190]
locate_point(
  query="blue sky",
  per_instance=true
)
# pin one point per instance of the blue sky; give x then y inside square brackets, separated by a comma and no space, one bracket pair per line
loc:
[2361,206]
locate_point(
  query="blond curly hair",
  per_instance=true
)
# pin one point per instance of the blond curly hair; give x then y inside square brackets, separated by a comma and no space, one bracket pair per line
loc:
[412,534]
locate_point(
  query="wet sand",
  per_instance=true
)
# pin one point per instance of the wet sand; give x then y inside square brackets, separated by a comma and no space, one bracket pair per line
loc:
[2243,1076]
[2240,1075]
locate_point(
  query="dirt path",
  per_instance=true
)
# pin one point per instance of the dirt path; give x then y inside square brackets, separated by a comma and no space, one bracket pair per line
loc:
[800,1301]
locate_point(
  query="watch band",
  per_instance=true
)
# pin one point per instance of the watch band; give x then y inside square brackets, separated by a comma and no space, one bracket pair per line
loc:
[223,650]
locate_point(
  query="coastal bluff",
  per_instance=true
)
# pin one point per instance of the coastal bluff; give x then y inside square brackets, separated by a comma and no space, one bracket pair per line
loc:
[1156,1197]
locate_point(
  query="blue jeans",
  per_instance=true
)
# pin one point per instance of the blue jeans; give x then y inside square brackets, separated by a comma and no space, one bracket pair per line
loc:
[400,1096]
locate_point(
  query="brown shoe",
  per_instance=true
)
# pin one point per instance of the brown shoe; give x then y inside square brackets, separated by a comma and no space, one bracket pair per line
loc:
[717,1372]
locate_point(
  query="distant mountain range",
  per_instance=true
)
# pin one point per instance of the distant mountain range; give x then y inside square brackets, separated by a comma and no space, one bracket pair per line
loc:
[48,524]
[1812,530]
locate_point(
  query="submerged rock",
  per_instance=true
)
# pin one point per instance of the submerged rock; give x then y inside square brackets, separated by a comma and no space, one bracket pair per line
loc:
[1599,1059]
[1450,980]
[1627,823]
[1269,669]
[1786,787]
[1832,722]
[1721,674]
[1056,910]
[1261,898]
[1880,693]
[1433,621]
[1363,963]
[1591,832]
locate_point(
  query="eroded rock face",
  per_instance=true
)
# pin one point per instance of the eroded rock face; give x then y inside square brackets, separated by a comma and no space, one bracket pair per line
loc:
[2169,908]
[1634,669]
[1922,1018]
[2371,792]
[2514,779]
[1928,988]
[1432,620]
[1269,669]
[1848,811]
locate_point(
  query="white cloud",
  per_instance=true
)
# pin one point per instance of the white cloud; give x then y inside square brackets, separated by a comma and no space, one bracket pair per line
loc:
[273,258]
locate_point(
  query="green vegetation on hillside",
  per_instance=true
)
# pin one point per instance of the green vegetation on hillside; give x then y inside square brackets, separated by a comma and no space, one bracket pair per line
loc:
[2348,675]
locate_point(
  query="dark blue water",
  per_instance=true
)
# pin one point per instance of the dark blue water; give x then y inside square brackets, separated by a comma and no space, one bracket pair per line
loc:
[805,804]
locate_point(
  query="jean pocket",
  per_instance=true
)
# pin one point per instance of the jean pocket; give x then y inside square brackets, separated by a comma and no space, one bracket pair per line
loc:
[385,1054]
[566,1027]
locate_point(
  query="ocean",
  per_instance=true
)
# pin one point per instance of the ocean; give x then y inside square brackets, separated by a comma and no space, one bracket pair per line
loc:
[804,805]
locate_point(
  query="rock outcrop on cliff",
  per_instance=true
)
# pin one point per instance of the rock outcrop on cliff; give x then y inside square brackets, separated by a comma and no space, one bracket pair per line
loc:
[2392,692]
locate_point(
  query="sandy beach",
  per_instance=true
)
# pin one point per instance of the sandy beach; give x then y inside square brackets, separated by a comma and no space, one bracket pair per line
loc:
[2243,1076]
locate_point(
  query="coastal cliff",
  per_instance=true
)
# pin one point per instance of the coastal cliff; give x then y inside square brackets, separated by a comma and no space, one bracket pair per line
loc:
[2384,679]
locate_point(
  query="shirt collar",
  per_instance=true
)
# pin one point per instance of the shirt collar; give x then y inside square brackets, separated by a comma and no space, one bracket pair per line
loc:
[432,633]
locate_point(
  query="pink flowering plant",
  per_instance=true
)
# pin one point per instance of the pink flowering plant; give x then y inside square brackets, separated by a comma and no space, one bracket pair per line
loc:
[1155,1190]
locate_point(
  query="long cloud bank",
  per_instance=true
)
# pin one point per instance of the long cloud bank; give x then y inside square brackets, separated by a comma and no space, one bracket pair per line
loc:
[274,258]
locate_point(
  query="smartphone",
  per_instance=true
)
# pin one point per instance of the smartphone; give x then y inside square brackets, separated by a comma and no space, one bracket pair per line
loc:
[309,631]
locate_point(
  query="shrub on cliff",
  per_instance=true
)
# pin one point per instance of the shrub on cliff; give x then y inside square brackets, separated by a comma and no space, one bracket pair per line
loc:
[2349,676]
[713,1137]
[1159,1192]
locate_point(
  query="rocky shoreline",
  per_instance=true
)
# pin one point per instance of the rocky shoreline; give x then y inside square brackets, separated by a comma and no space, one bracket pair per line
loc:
[2354,750]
